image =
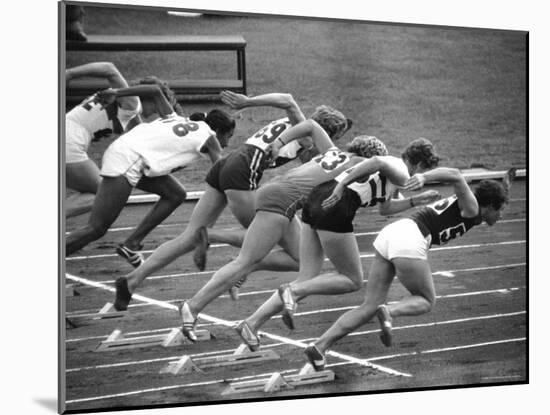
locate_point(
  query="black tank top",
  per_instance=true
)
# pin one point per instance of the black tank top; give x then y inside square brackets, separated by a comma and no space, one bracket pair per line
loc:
[443,221]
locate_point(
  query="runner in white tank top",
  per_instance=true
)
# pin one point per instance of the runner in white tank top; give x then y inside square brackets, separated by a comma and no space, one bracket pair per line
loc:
[89,121]
[144,157]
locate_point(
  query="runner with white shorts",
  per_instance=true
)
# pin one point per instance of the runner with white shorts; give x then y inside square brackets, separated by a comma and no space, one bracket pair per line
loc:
[144,157]
[400,249]
[327,228]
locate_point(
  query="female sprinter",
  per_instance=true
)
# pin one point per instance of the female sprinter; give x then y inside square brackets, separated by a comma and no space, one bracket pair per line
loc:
[144,157]
[401,249]
[92,120]
[232,181]
[275,221]
[328,228]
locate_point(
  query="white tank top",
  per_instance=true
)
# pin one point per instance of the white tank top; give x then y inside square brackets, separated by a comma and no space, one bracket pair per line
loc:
[168,144]
[98,121]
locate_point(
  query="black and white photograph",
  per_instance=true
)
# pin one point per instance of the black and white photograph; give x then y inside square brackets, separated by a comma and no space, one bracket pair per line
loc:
[266,207]
[287,209]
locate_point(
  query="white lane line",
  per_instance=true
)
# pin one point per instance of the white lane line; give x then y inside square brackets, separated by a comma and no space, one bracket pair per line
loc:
[226,323]
[262,292]
[358,333]
[440,350]
[186,385]
[440,323]
[332,310]
[265,375]
[358,234]
[370,255]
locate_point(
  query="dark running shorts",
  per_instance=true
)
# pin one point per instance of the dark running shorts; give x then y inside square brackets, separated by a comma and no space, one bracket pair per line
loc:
[242,169]
[282,197]
[338,218]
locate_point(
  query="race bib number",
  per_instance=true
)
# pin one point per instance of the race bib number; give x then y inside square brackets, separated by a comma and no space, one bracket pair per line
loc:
[268,134]
[451,233]
[181,129]
[332,159]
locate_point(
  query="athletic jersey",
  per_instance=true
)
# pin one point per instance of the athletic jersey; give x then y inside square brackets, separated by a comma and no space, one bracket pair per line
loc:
[99,121]
[372,189]
[268,134]
[168,144]
[320,169]
[443,221]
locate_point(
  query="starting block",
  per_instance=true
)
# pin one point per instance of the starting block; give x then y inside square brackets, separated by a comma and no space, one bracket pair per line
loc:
[276,382]
[240,356]
[117,341]
[108,311]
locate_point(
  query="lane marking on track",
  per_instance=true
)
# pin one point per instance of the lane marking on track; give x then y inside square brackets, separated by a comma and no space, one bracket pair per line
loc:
[440,350]
[313,312]
[261,292]
[183,224]
[369,255]
[226,323]
[186,385]
[358,234]
[265,375]
[307,340]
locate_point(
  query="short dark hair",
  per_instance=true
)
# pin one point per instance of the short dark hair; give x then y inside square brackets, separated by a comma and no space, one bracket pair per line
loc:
[218,120]
[491,193]
[421,151]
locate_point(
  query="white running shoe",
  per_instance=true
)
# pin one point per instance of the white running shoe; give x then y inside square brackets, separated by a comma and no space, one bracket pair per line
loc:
[289,305]
[188,322]
[248,336]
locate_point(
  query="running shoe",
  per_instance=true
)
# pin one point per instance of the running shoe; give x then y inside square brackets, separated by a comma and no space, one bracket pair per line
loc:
[134,258]
[123,295]
[385,320]
[289,305]
[248,336]
[188,322]
[201,247]
[234,291]
[315,357]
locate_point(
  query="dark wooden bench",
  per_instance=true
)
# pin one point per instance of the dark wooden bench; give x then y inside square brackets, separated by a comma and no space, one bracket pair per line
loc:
[81,88]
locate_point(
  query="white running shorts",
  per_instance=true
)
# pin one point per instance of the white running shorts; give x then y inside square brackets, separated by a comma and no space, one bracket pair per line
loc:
[402,239]
[76,142]
[120,160]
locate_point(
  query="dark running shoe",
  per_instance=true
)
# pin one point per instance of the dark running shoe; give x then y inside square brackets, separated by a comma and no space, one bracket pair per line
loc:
[201,247]
[123,295]
[134,258]
[385,320]
[248,336]
[315,357]
[289,305]
[188,322]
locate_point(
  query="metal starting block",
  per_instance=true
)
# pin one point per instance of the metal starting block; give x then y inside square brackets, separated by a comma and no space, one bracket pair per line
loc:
[108,311]
[117,341]
[276,382]
[241,355]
